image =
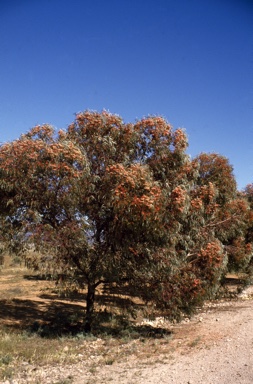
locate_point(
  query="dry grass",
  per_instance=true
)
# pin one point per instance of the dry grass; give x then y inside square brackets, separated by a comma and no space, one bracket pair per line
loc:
[20,349]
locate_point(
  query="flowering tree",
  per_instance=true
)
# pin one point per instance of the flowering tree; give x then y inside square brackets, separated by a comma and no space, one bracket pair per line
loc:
[230,213]
[90,196]
[123,204]
[239,260]
[248,194]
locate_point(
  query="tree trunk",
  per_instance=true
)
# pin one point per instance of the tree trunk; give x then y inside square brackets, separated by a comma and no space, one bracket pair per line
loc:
[90,300]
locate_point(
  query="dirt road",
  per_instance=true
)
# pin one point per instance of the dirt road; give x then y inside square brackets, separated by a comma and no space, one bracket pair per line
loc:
[217,349]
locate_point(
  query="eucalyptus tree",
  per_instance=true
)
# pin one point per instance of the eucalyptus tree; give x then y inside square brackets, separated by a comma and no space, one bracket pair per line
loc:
[122,204]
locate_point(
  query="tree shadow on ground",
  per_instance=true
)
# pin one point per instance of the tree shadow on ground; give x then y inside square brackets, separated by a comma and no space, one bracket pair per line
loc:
[231,285]
[228,281]
[120,327]
[51,316]
[39,277]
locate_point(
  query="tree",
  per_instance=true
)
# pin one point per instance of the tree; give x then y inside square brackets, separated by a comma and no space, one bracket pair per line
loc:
[210,235]
[90,196]
[247,263]
[216,169]
[230,211]
[248,194]
[122,204]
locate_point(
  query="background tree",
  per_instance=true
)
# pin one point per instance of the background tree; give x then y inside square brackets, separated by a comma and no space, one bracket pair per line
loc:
[247,194]
[230,213]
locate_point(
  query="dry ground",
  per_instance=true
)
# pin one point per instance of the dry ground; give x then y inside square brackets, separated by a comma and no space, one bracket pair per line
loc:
[215,346]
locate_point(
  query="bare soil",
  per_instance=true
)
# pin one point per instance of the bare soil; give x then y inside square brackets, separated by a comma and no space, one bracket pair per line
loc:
[214,346]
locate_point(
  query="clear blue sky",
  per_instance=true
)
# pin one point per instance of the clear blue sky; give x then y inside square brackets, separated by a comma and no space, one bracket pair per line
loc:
[190,61]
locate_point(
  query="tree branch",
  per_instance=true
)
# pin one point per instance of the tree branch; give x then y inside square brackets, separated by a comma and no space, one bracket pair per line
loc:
[220,222]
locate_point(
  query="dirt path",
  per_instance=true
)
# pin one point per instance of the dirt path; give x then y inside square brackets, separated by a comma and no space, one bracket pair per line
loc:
[218,350]
[216,346]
